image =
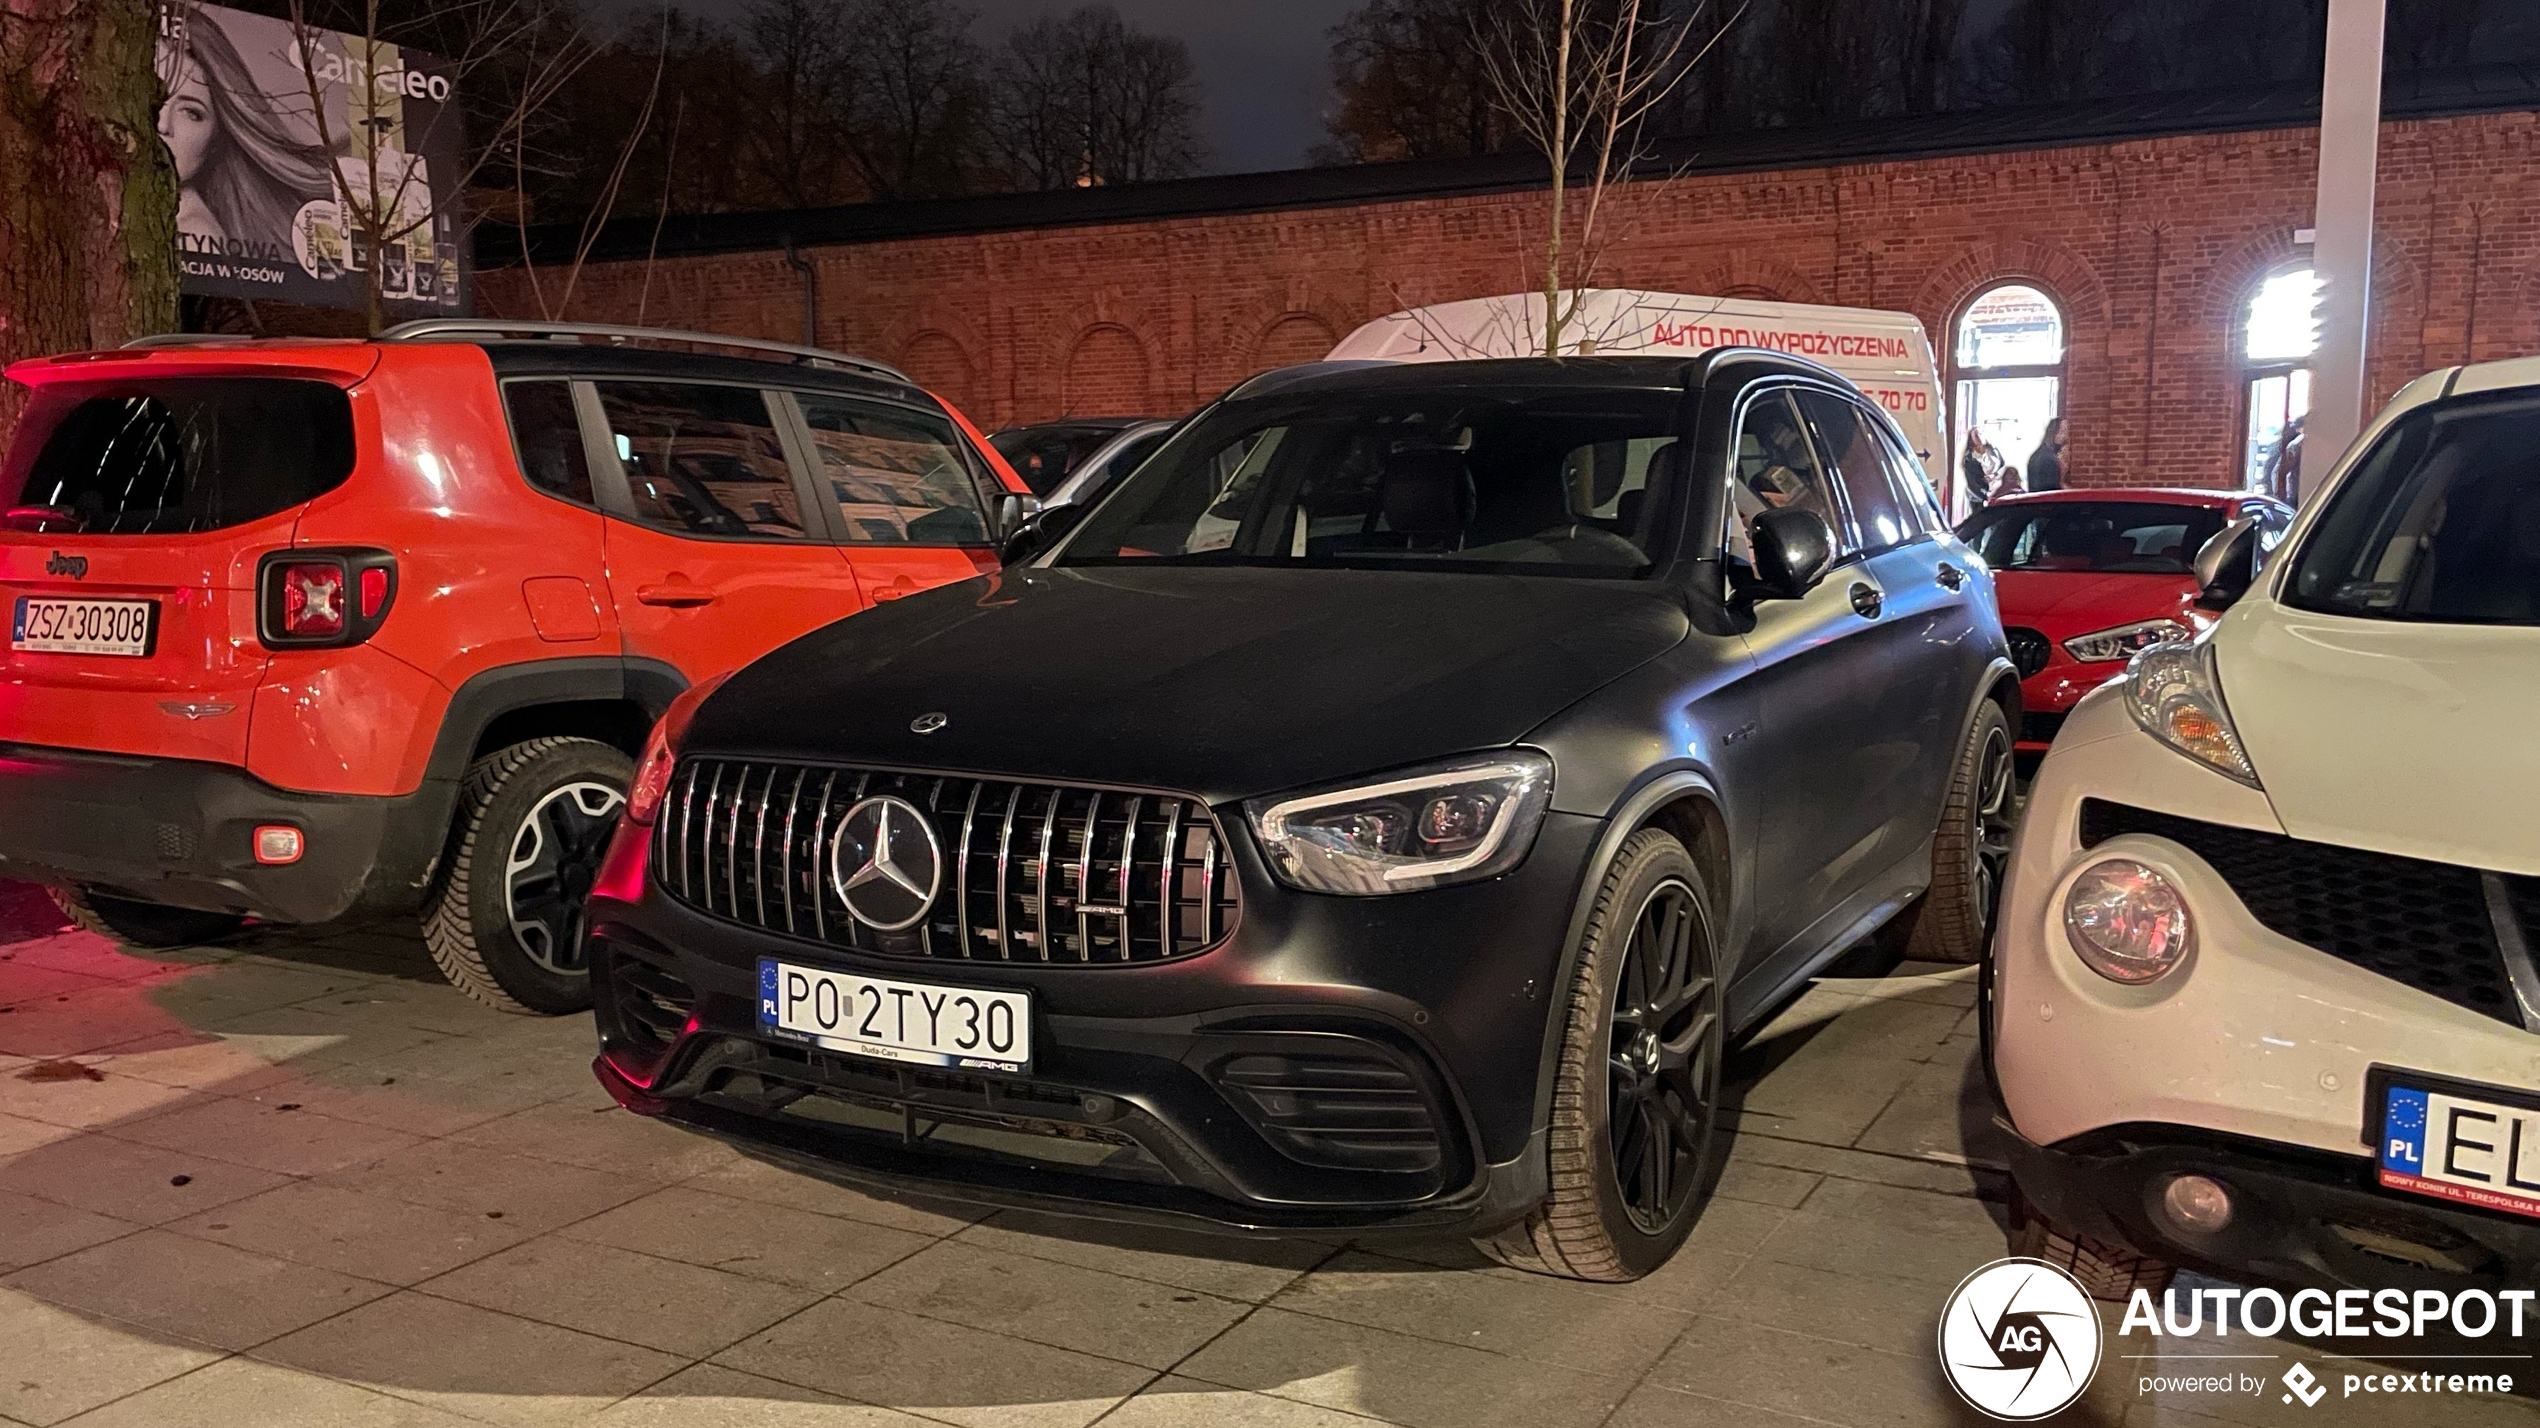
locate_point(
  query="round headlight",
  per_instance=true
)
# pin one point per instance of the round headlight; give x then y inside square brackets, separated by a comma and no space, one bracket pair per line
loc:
[2127,922]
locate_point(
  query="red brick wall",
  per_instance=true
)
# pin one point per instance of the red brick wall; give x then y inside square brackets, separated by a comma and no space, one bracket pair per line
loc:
[2152,247]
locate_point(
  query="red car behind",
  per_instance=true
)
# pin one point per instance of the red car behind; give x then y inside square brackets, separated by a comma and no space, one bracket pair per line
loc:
[2087,577]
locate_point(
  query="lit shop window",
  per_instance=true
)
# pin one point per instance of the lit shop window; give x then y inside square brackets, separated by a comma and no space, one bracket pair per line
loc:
[2009,364]
[2279,332]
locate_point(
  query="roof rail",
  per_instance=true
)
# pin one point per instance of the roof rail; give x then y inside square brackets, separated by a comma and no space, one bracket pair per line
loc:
[456,328]
[187,339]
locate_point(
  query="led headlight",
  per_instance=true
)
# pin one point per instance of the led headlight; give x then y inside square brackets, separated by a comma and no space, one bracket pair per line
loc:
[2173,693]
[2126,641]
[2127,922]
[1452,823]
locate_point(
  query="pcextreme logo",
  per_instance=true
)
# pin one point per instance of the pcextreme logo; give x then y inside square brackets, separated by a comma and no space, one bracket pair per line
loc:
[2019,1339]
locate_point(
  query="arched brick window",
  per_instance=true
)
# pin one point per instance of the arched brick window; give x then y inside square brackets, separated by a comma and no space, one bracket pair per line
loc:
[937,363]
[1297,337]
[1107,374]
[2008,362]
[2279,330]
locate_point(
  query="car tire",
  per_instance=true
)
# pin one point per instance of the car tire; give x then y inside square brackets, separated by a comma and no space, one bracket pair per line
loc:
[147,925]
[534,818]
[1636,1094]
[1971,850]
[2107,1271]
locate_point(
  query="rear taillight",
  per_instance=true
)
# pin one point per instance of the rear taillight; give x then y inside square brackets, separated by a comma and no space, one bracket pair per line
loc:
[661,752]
[323,598]
[312,599]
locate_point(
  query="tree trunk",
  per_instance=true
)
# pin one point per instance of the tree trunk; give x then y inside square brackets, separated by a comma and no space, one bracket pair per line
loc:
[87,196]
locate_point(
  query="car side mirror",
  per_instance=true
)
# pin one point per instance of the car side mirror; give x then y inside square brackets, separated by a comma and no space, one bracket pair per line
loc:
[1039,531]
[2227,564]
[1013,511]
[1792,550]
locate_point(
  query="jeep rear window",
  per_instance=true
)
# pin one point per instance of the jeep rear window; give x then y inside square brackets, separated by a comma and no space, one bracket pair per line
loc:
[175,455]
[2440,522]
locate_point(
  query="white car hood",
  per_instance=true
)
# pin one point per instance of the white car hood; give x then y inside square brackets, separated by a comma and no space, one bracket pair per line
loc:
[2421,740]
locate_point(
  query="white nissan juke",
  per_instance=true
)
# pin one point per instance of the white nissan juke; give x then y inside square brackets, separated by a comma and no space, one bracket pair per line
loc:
[2263,999]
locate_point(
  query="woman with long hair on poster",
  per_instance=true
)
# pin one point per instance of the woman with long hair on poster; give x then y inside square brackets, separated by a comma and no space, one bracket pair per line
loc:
[243,168]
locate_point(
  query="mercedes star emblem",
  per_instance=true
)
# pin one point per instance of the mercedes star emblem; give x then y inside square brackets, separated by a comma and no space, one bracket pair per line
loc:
[927,723]
[886,864]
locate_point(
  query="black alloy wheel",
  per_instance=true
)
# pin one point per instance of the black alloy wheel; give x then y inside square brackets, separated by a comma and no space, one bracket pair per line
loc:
[506,925]
[1634,1138]
[555,857]
[1971,850]
[1996,817]
[1663,1076]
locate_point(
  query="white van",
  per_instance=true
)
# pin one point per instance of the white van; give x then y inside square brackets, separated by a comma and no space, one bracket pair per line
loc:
[1886,354]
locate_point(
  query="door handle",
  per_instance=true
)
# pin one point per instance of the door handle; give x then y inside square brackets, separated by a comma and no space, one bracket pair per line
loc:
[1950,575]
[677,594]
[896,589]
[1866,601]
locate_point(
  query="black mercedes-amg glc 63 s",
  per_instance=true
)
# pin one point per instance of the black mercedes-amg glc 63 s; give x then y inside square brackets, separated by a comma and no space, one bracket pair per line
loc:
[1377,813]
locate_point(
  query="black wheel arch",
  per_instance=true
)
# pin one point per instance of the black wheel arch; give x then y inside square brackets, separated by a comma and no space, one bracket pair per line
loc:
[1687,804]
[604,697]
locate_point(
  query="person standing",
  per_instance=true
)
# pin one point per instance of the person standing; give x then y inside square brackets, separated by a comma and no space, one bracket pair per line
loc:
[1978,468]
[2046,463]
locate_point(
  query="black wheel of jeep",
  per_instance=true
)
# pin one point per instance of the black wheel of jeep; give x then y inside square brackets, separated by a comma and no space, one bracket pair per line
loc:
[1636,1097]
[1971,851]
[146,925]
[533,822]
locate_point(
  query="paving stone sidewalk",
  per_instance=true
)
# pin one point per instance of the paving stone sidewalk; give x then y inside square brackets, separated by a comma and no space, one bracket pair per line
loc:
[298,1181]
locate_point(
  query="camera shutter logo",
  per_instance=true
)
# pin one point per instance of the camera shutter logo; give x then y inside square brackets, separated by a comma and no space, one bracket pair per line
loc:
[2019,1339]
[886,863]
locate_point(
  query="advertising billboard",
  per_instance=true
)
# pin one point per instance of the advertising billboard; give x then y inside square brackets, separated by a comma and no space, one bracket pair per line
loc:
[293,163]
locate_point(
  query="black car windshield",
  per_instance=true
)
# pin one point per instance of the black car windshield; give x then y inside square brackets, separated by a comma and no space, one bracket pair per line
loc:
[2440,523]
[1452,478]
[2093,537]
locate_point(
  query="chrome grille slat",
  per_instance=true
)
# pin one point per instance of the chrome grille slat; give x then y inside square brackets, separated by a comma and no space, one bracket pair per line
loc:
[1079,897]
[1005,849]
[793,807]
[961,866]
[1168,872]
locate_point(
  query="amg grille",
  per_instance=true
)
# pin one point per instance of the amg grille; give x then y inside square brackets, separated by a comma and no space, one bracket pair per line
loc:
[1034,872]
[2029,649]
[2431,926]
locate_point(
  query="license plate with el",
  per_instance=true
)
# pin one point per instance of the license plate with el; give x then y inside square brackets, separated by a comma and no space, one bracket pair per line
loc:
[919,1023]
[2459,1141]
[83,627]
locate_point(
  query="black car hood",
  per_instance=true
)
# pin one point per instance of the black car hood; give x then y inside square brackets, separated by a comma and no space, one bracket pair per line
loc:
[1221,682]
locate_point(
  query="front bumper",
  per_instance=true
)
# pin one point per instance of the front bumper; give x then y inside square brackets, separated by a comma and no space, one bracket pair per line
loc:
[2048,696]
[2249,1062]
[180,832]
[2300,1218]
[1136,1107]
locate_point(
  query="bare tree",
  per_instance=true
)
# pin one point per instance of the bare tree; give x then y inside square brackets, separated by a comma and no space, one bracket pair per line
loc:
[87,195]
[382,191]
[1575,80]
[1411,83]
[917,106]
[807,61]
[1084,99]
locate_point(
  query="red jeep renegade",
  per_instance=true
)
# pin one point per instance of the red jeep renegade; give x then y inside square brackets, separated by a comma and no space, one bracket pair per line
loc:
[303,627]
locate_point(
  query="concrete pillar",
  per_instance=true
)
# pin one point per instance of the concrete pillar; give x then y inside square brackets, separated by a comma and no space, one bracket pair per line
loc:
[2350,145]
